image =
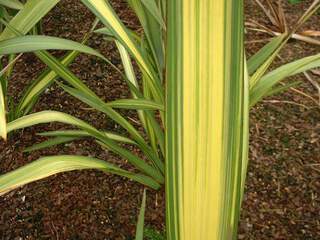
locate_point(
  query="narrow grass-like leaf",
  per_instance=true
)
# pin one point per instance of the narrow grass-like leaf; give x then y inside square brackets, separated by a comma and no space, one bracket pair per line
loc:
[40,84]
[141,104]
[106,31]
[14,4]
[263,54]
[282,88]
[147,169]
[32,93]
[48,166]
[50,143]
[53,116]
[244,148]
[69,136]
[103,10]
[28,17]
[269,58]
[157,131]
[154,11]
[128,68]
[140,224]
[130,74]
[36,43]
[269,80]
[84,93]
[147,119]
[65,136]
[153,33]
[163,8]
[80,134]
[98,104]
[3,122]
[61,70]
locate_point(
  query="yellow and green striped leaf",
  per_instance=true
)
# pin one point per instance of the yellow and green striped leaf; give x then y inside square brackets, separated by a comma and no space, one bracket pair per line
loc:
[154,10]
[267,82]
[80,134]
[99,105]
[141,104]
[53,116]
[14,4]
[152,30]
[140,224]
[147,119]
[206,102]
[103,10]
[40,84]
[48,166]
[65,136]
[36,43]
[3,121]
[32,12]
[263,54]
[49,143]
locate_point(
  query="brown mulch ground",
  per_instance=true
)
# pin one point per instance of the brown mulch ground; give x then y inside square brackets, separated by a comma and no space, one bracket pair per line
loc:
[282,198]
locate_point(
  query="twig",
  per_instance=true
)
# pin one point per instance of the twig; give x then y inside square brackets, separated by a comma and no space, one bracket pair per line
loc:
[288,102]
[305,95]
[296,36]
[314,83]
[10,64]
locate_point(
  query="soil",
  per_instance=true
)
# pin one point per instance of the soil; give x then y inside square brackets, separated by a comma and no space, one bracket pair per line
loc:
[282,199]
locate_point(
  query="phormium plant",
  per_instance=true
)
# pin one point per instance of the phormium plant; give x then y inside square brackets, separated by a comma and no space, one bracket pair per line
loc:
[193,102]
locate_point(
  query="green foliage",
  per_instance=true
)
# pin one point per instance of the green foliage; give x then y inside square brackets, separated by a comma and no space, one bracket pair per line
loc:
[140,224]
[152,234]
[148,50]
[146,101]
[295,1]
